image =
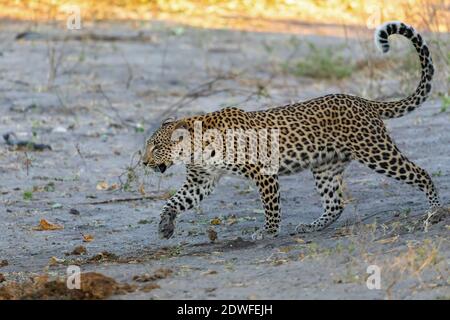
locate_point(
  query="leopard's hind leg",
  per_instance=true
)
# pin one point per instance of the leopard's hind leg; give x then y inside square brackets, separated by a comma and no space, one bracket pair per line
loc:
[381,154]
[328,179]
[269,191]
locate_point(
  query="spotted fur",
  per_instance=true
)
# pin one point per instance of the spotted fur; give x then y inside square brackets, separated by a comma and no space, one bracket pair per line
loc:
[322,134]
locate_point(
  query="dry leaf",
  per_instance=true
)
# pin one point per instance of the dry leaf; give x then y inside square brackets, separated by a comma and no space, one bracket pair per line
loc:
[216,221]
[45,225]
[102,186]
[88,237]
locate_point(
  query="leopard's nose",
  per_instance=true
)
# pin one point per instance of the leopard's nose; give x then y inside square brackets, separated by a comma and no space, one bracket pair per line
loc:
[145,163]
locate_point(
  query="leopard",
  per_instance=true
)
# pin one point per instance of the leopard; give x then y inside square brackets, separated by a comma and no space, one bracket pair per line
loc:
[322,134]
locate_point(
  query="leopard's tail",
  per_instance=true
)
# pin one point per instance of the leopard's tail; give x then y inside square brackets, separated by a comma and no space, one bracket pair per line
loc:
[399,108]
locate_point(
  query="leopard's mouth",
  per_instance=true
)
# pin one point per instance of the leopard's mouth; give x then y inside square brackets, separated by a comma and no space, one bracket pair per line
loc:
[156,167]
[160,168]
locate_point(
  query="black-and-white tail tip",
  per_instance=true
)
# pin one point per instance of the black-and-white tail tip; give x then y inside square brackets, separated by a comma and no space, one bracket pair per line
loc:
[399,108]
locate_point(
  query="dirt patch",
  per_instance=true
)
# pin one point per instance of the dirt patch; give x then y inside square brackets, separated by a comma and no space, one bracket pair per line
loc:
[93,286]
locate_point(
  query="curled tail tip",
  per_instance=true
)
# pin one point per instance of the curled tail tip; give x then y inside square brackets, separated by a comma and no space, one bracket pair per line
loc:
[398,108]
[383,31]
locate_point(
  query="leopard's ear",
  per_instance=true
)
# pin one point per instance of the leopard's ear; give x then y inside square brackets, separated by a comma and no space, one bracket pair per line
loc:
[168,120]
[181,124]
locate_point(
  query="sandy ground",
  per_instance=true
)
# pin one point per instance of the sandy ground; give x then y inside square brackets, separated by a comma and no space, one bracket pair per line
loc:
[94,101]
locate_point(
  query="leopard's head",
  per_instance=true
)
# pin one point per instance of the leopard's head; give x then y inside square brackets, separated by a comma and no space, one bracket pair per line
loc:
[158,151]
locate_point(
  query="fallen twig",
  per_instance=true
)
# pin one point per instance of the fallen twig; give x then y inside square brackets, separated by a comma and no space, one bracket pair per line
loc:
[164,196]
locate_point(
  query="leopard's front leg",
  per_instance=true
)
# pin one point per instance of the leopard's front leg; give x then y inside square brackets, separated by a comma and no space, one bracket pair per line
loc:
[199,183]
[269,191]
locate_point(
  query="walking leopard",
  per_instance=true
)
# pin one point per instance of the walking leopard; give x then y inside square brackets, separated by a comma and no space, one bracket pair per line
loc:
[323,134]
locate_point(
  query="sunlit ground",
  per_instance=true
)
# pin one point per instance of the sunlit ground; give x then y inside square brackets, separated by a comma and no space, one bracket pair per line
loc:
[254,15]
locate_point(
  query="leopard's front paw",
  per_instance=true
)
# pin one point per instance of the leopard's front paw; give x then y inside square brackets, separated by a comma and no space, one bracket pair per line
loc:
[263,233]
[305,228]
[166,226]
